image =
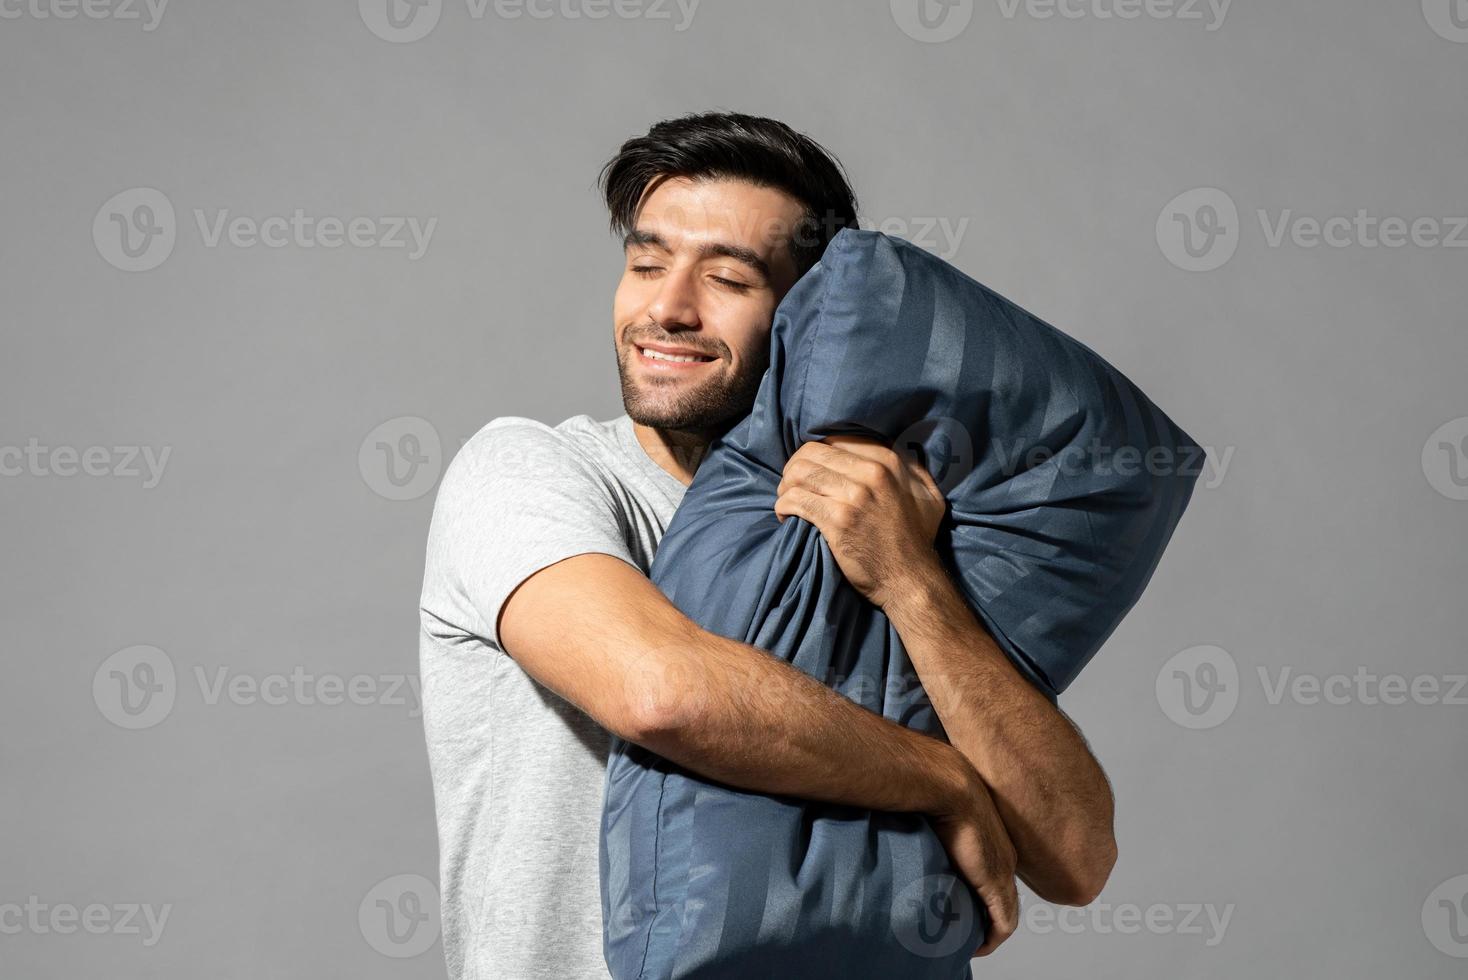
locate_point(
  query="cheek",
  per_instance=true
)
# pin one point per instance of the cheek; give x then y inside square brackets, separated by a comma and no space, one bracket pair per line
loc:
[627,302]
[749,336]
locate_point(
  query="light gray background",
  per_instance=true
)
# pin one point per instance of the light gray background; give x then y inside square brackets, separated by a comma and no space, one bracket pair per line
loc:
[268,546]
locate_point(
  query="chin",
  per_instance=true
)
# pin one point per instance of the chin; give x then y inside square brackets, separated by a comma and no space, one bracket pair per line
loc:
[679,405]
[669,414]
[697,410]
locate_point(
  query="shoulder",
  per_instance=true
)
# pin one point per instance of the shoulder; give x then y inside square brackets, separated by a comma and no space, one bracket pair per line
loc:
[511,443]
[523,450]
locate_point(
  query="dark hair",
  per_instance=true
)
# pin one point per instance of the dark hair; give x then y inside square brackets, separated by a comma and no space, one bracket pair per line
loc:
[730,145]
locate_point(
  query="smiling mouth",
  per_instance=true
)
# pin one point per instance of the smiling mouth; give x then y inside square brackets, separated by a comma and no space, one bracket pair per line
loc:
[671,359]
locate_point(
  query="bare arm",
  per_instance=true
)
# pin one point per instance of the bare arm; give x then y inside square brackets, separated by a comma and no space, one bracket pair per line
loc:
[880,513]
[597,632]
[1050,790]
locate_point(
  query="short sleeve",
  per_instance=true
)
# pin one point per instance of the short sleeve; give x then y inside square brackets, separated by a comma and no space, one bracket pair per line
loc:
[518,497]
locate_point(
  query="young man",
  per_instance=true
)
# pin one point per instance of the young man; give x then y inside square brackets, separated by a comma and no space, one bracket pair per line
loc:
[541,632]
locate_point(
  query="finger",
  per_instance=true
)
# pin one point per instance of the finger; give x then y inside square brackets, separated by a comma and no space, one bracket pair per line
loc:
[818,479]
[799,502]
[810,451]
[867,449]
[851,440]
[904,466]
[866,462]
[1002,901]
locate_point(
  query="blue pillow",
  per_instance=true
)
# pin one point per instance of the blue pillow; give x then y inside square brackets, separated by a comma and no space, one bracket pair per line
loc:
[1064,484]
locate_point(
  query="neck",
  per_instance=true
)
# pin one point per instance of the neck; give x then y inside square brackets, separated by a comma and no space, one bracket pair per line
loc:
[675,450]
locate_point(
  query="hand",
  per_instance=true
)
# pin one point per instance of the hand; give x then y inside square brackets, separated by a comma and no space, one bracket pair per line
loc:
[979,846]
[877,510]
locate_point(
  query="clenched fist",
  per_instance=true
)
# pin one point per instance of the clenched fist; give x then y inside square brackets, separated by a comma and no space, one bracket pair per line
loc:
[878,510]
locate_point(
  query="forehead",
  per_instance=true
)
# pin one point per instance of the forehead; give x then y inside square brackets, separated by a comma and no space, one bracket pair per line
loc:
[689,213]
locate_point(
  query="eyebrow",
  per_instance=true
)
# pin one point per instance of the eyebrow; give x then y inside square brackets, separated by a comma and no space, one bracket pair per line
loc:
[707,250]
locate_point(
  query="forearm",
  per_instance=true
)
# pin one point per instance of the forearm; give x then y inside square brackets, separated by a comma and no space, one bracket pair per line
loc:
[622,653]
[1048,787]
[737,715]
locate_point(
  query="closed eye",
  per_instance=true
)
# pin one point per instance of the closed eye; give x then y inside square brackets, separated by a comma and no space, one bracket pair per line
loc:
[645,271]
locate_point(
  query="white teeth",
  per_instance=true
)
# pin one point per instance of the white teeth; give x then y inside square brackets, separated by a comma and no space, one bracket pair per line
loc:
[660,356]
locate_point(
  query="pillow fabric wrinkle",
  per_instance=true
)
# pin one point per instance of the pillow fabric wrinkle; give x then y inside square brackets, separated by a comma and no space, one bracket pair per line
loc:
[1048,542]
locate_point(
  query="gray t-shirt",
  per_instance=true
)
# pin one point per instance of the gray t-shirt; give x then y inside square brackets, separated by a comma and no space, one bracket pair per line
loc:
[518,772]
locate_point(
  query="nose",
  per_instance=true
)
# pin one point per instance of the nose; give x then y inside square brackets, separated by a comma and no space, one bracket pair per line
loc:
[675,306]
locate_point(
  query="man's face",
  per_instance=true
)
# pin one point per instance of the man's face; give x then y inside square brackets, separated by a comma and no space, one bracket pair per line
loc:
[706,266]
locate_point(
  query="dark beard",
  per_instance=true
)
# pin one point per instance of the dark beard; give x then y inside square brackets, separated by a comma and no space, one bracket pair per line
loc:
[710,409]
